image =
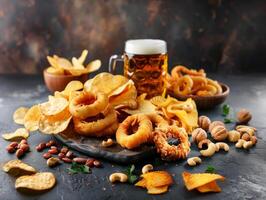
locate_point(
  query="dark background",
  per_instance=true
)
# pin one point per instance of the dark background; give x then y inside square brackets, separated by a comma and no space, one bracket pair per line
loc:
[225,36]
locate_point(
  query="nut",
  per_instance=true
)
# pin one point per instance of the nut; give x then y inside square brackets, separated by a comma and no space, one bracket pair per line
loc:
[245,136]
[209,151]
[53,151]
[243,116]
[46,155]
[61,155]
[52,162]
[25,147]
[13,144]
[240,143]
[89,163]
[107,143]
[246,129]
[233,136]
[247,144]
[198,134]
[118,177]
[222,145]
[204,122]
[67,160]
[193,161]
[97,163]
[219,133]
[20,153]
[70,154]
[80,160]
[215,123]
[253,139]
[38,148]
[50,143]
[64,150]
[146,168]
[202,142]
[23,141]
[10,149]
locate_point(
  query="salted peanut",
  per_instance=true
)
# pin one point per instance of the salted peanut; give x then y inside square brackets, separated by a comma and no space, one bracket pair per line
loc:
[215,123]
[209,151]
[204,142]
[253,139]
[246,129]
[118,177]
[52,162]
[233,136]
[240,143]
[247,144]
[193,161]
[146,168]
[109,142]
[222,145]
[198,134]
[204,122]
[245,137]
[243,116]
[219,133]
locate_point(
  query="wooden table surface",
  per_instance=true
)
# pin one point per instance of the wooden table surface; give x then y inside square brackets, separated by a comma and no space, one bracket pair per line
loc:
[245,171]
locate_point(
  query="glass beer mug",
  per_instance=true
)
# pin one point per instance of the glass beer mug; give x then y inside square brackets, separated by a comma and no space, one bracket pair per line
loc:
[145,62]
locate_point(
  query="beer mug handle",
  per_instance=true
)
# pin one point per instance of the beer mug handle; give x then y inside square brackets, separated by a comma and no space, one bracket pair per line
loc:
[112,62]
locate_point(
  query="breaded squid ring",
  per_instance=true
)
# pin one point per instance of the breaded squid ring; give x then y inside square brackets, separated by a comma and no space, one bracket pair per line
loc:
[198,82]
[208,90]
[180,70]
[142,135]
[158,120]
[172,152]
[183,85]
[88,104]
[216,85]
[92,128]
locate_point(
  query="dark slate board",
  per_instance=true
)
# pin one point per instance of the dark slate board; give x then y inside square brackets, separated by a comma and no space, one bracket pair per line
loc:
[92,147]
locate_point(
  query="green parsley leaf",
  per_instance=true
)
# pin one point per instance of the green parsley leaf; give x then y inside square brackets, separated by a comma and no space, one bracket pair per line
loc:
[226,110]
[78,168]
[228,120]
[132,178]
[210,169]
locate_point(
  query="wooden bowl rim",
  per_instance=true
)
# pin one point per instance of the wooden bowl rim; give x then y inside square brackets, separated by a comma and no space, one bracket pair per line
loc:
[225,88]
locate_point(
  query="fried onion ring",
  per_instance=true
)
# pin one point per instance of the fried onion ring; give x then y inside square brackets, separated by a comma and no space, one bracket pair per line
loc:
[180,70]
[88,104]
[216,85]
[172,152]
[208,90]
[140,136]
[94,127]
[198,83]
[158,120]
[183,85]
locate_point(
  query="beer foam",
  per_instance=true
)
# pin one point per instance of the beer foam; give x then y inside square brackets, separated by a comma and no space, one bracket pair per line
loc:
[145,46]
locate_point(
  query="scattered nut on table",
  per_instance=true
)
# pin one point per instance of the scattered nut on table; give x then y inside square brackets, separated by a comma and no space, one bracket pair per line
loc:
[233,136]
[222,145]
[246,129]
[118,177]
[247,144]
[219,133]
[198,134]
[146,168]
[204,122]
[209,151]
[204,142]
[243,116]
[239,143]
[245,137]
[253,139]
[193,161]
[215,123]
[52,162]
[109,142]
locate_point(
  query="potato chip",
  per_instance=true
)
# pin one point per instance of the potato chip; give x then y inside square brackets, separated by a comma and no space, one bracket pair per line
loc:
[17,167]
[57,71]
[53,61]
[77,64]
[157,190]
[157,178]
[55,124]
[209,187]
[94,65]
[83,56]
[53,106]
[19,134]
[32,118]
[193,181]
[19,115]
[141,183]
[72,86]
[36,182]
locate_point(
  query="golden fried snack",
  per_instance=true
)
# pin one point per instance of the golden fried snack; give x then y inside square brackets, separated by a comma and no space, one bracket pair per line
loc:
[198,83]
[157,120]
[88,104]
[93,126]
[216,85]
[207,90]
[134,131]
[184,85]
[180,70]
[172,152]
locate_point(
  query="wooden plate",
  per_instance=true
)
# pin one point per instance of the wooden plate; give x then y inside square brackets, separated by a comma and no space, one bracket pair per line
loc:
[207,102]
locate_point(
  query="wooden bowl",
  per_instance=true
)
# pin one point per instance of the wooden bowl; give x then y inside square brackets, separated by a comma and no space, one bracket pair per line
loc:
[206,102]
[58,82]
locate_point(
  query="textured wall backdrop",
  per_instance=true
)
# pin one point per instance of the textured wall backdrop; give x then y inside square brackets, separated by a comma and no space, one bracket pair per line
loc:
[219,35]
